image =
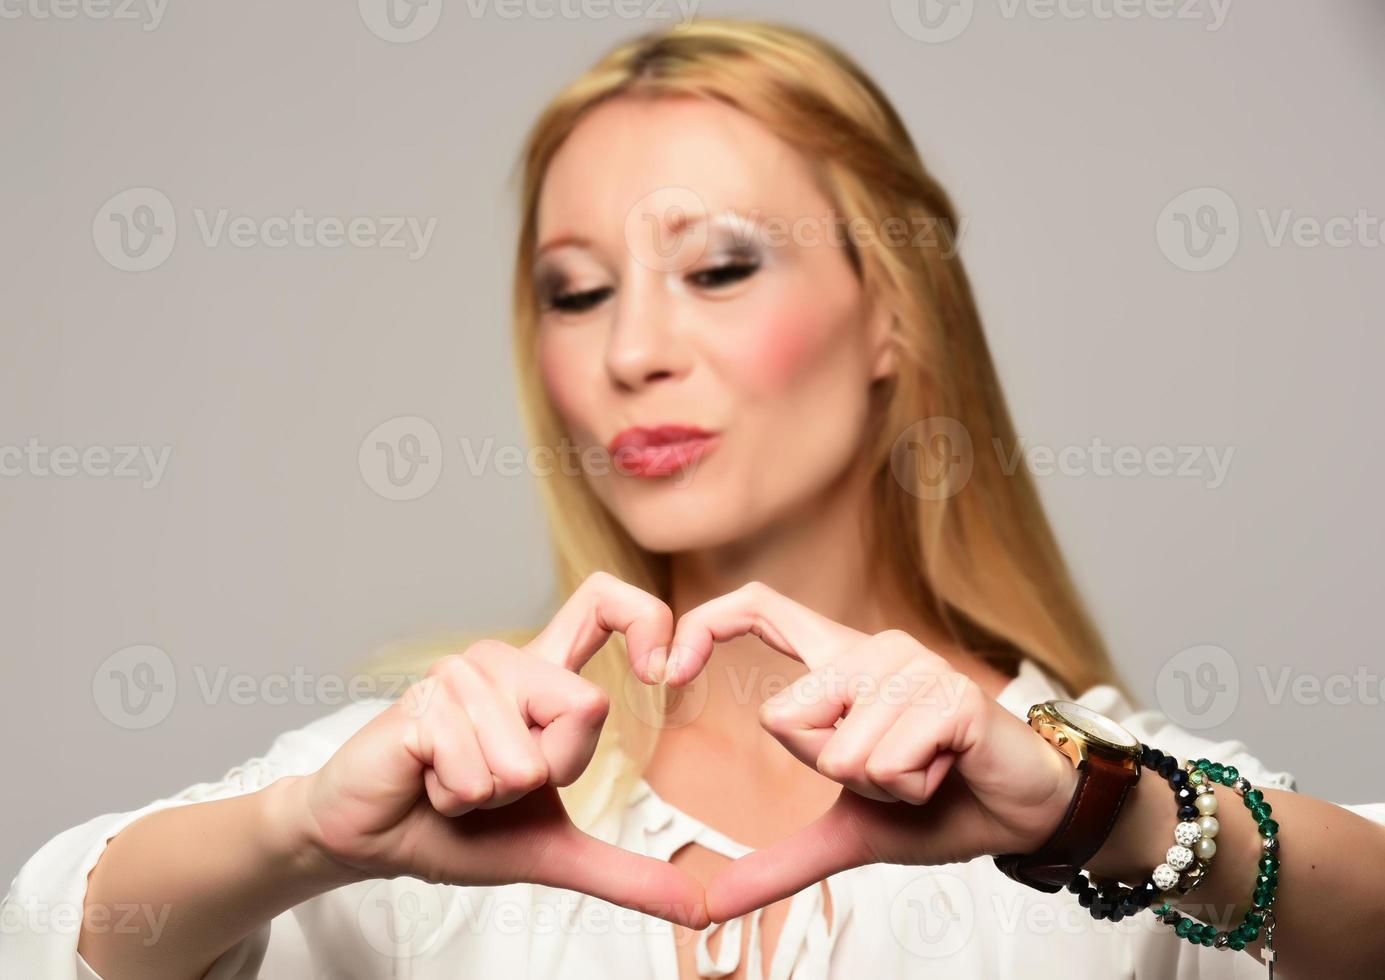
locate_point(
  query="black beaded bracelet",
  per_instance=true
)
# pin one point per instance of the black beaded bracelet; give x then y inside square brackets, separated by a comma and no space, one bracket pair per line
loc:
[1114,901]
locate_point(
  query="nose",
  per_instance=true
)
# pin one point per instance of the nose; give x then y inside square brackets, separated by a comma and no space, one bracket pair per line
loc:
[644,345]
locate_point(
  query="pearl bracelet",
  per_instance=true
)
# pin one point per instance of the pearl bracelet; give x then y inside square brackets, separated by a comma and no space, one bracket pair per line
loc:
[1188,860]
[1203,774]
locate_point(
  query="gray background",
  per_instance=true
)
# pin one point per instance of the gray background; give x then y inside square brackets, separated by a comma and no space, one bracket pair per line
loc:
[264,551]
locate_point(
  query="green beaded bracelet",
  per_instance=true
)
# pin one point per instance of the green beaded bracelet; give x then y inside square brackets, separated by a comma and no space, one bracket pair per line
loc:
[1202,773]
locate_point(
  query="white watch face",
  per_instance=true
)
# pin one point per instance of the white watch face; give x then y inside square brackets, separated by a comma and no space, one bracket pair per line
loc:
[1095,726]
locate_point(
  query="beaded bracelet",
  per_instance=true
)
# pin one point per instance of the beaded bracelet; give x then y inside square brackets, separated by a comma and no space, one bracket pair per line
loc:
[1202,773]
[1188,859]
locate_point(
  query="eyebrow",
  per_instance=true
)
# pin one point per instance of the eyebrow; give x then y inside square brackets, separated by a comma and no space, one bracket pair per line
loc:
[725,216]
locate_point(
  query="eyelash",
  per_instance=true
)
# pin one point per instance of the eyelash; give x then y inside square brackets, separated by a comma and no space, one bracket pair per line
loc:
[713,277]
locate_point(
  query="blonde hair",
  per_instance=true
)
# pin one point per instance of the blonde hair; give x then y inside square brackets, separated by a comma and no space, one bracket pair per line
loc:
[982,564]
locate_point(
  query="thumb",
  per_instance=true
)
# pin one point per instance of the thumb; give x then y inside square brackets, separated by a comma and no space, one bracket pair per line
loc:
[829,844]
[586,864]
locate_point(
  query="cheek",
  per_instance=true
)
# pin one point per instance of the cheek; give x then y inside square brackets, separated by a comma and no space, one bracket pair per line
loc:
[789,350]
[561,376]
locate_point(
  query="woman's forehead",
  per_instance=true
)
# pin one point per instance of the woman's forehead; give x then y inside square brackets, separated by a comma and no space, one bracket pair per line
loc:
[665,157]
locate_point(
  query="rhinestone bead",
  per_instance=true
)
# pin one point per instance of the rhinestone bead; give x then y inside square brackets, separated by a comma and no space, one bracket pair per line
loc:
[1164,877]
[1179,857]
[1187,833]
[1241,785]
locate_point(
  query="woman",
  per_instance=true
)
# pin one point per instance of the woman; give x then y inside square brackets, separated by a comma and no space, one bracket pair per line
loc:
[737,285]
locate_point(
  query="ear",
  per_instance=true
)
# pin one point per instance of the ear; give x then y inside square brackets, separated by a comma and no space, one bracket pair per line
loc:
[881,328]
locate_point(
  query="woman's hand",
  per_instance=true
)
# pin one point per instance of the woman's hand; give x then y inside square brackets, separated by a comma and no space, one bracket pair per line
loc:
[456,782]
[933,770]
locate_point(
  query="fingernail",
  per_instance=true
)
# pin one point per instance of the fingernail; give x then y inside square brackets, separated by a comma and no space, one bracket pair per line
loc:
[655,667]
[679,656]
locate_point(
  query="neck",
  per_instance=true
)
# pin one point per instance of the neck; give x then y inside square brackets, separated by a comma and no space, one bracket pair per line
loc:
[821,560]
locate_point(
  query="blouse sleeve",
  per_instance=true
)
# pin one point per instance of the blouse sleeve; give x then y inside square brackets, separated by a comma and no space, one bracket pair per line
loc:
[1156,729]
[45,902]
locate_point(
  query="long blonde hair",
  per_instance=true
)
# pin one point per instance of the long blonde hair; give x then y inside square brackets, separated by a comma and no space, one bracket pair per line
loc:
[981,564]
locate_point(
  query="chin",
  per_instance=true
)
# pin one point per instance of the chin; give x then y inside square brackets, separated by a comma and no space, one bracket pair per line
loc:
[665,518]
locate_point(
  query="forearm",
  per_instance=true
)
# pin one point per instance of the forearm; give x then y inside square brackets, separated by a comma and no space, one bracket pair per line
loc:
[207,874]
[1330,893]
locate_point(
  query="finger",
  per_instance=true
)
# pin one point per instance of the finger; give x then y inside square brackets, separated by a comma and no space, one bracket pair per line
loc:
[600,605]
[634,881]
[849,748]
[571,711]
[828,845]
[911,759]
[787,626]
[803,716]
[511,753]
[457,779]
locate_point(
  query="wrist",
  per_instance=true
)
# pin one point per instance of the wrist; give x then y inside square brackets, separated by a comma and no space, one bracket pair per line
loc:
[295,838]
[1140,835]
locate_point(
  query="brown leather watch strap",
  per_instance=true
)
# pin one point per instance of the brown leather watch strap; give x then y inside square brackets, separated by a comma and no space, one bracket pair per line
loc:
[1102,786]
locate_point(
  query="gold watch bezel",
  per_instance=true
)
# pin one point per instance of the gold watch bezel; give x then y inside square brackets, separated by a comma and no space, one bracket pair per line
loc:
[1076,743]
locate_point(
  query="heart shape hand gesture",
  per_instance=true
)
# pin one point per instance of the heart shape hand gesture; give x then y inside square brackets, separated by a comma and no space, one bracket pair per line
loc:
[933,770]
[456,782]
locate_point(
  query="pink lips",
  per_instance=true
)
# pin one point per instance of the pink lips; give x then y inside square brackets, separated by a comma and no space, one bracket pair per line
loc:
[659,450]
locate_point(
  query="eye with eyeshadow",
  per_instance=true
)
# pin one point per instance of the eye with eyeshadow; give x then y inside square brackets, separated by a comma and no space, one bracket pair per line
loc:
[735,269]
[556,295]
[578,302]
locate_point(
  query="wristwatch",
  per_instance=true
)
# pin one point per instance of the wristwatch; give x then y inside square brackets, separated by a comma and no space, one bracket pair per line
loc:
[1107,760]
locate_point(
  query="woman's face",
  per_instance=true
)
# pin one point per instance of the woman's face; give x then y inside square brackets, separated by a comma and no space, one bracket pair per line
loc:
[700,320]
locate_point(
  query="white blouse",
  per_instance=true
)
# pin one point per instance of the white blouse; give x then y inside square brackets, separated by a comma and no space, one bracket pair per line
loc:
[958,920]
